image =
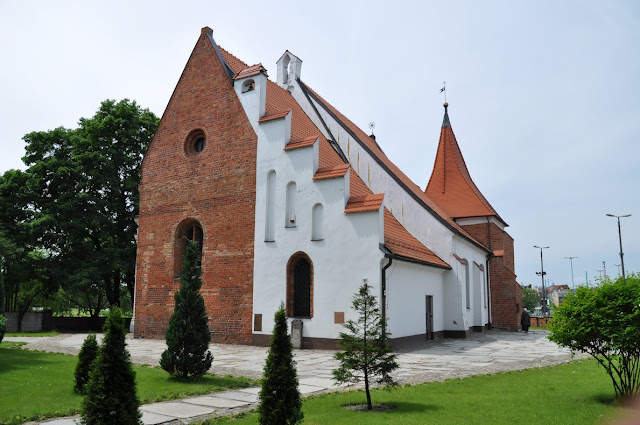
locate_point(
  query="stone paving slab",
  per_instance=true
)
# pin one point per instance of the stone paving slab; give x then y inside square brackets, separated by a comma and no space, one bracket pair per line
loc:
[309,389]
[63,421]
[238,395]
[213,401]
[150,418]
[177,409]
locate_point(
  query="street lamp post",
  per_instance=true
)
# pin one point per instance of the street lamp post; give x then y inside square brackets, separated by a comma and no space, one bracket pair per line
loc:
[618,266]
[624,278]
[542,273]
[573,284]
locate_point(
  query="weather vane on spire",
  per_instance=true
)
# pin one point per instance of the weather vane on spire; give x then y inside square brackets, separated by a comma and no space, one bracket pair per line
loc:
[372,125]
[444,89]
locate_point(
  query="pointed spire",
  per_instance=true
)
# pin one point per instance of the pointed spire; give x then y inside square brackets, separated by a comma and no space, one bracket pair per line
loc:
[445,121]
[450,185]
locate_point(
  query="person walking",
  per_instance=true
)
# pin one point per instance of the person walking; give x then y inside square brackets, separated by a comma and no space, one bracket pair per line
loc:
[525,321]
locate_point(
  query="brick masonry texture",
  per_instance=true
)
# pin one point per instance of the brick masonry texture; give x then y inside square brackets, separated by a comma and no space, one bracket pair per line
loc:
[506,293]
[216,187]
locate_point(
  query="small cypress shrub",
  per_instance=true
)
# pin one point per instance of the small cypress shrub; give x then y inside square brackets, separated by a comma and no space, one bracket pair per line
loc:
[187,355]
[111,397]
[87,355]
[280,402]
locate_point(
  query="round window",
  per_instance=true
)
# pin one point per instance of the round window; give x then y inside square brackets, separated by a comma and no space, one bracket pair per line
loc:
[195,143]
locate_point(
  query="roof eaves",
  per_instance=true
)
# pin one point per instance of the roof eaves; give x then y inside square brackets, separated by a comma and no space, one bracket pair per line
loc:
[389,254]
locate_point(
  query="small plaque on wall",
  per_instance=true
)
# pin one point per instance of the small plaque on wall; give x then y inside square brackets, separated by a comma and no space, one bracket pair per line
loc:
[338,317]
[257,322]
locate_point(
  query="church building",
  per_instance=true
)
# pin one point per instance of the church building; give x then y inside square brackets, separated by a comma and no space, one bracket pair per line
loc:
[293,203]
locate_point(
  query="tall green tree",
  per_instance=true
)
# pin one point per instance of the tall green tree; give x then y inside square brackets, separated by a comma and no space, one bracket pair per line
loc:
[604,322]
[530,299]
[187,355]
[27,270]
[279,397]
[366,356]
[111,397]
[84,187]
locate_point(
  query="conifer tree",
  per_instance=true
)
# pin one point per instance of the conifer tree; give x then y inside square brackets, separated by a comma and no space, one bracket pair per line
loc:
[366,355]
[187,355]
[87,355]
[111,392]
[280,398]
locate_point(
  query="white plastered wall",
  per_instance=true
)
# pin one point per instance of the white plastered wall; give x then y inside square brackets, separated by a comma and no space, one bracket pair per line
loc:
[349,251]
[407,286]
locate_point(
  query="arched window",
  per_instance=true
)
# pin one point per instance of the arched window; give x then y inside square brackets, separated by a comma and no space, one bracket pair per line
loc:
[188,230]
[316,223]
[270,213]
[290,213]
[248,86]
[300,286]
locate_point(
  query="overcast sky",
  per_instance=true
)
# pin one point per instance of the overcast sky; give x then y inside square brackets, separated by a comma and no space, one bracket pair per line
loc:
[544,96]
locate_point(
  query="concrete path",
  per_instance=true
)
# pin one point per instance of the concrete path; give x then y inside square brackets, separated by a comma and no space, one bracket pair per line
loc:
[491,352]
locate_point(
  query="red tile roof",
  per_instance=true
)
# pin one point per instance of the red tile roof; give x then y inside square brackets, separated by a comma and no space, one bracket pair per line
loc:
[309,141]
[274,116]
[373,147]
[364,203]
[397,239]
[331,172]
[450,185]
[250,71]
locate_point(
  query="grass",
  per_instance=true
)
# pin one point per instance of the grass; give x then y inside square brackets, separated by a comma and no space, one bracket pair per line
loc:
[37,385]
[32,334]
[574,393]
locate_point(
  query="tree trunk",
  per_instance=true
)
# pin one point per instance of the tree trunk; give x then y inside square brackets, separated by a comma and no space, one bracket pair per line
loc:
[366,389]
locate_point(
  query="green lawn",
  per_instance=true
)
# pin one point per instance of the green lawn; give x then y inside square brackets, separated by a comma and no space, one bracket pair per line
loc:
[575,393]
[35,384]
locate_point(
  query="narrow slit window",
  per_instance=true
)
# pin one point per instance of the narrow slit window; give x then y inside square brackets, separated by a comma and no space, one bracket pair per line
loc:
[316,223]
[290,213]
[270,219]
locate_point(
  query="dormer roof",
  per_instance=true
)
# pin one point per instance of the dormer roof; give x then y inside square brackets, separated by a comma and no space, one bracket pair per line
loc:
[450,185]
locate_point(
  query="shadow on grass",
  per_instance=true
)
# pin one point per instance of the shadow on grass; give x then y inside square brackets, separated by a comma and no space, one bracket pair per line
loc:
[397,407]
[14,358]
[605,399]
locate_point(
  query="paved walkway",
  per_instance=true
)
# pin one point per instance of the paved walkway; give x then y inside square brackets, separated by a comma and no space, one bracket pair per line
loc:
[491,352]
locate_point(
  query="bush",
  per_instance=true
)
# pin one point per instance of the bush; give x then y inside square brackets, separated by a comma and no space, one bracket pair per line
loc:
[604,322]
[366,353]
[3,326]
[87,355]
[279,397]
[187,355]
[111,392]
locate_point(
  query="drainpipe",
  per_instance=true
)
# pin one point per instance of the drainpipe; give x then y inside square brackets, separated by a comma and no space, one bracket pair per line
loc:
[384,297]
[488,274]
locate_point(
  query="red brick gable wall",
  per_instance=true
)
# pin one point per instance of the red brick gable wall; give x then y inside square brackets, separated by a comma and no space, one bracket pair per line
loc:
[216,187]
[506,293]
